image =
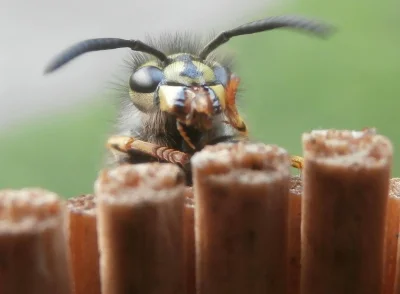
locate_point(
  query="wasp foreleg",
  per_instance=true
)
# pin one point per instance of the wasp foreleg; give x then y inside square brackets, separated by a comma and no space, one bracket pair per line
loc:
[126,144]
[236,121]
[231,112]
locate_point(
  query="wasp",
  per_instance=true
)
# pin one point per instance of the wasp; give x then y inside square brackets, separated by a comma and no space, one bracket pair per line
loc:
[181,96]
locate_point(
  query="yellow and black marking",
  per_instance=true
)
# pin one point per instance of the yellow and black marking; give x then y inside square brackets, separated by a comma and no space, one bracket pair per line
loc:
[186,70]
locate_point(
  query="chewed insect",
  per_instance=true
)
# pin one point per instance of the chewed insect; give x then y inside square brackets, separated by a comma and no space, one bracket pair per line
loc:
[181,97]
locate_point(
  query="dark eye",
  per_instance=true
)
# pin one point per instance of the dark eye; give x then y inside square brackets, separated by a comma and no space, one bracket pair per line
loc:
[146,79]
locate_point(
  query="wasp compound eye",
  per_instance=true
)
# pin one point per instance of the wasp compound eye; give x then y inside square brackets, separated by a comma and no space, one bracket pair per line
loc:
[146,79]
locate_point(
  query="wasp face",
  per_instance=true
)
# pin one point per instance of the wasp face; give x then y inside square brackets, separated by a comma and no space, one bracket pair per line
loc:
[187,88]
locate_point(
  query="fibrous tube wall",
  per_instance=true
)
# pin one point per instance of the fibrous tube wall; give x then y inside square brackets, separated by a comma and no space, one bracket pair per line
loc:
[345,193]
[241,216]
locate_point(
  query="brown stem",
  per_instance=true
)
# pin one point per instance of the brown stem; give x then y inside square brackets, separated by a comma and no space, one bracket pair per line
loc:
[140,227]
[345,192]
[294,238]
[190,255]
[391,236]
[241,215]
[82,241]
[393,210]
[33,255]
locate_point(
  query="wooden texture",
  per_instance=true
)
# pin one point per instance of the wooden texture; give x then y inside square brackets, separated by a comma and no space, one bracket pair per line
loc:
[345,194]
[391,236]
[83,246]
[33,255]
[241,216]
[294,238]
[190,254]
[140,227]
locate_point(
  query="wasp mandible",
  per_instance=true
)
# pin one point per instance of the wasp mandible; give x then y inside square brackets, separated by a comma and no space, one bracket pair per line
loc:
[180,95]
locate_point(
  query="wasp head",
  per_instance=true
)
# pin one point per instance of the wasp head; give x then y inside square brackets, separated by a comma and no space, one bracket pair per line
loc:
[187,88]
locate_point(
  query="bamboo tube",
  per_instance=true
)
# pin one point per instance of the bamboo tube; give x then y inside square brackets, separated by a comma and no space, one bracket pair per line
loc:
[395,192]
[241,216]
[33,255]
[140,229]
[190,269]
[391,236]
[294,241]
[345,192]
[82,241]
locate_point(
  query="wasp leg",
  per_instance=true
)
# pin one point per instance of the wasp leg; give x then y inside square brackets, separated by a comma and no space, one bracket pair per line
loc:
[128,144]
[297,162]
[231,112]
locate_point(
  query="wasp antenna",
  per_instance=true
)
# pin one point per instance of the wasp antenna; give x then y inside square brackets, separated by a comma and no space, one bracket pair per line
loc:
[98,45]
[266,24]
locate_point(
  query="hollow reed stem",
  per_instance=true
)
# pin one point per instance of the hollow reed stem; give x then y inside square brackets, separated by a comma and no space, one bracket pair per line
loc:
[140,229]
[241,216]
[345,193]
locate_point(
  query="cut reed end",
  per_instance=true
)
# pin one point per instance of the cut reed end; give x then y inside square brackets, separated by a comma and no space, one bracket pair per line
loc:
[83,204]
[29,209]
[241,194]
[351,148]
[394,188]
[116,185]
[141,228]
[296,185]
[32,242]
[83,244]
[344,207]
[242,162]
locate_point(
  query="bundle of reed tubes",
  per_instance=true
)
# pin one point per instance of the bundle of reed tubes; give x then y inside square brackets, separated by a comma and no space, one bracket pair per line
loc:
[245,227]
[33,251]
[82,243]
[241,216]
[140,210]
[345,194]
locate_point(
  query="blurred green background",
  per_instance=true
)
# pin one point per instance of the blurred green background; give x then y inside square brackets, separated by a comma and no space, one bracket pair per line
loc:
[293,83]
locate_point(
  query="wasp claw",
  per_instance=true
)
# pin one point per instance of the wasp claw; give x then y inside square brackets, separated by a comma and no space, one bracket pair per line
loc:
[120,143]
